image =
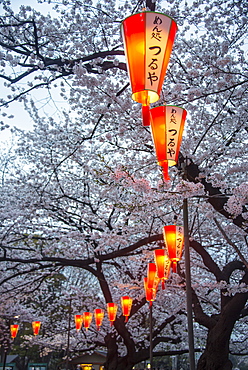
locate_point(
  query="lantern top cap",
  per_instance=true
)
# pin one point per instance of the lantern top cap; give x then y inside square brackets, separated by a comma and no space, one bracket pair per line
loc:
[175,225]
[149,11]
[166,105]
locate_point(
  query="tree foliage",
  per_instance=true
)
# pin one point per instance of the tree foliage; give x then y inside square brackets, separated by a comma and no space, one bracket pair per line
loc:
[82,196]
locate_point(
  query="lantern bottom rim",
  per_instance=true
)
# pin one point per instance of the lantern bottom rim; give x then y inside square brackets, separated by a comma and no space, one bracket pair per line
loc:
[170,162]
[145,97]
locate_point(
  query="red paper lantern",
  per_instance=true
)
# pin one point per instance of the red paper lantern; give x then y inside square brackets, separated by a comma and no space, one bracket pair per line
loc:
[167,123]
[87,318]
[99,315]
[78,321]
[151,292]
[14,330]
[36,327]
[148,40]
[163,264]
[112,310]
[148,291]
[126,304]
[151,273]
[174,241]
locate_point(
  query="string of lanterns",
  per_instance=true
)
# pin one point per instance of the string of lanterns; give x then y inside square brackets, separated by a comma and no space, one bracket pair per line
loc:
[86,318]
[148,40]
[15,327]
[159,271]
[156,272]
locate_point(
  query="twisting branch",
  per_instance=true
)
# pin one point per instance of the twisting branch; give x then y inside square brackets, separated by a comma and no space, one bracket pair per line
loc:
[216,198]
[230,242]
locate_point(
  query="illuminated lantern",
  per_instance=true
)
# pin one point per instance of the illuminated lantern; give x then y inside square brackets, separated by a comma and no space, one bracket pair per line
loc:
[151,273]
[87,318]
[14,330]
[36,327]
[78,322]
[167,123]
[163,264]
[126,304]
[174,239]
[112,310]
[151,292]
[148,40]
[148,291]
[99,315]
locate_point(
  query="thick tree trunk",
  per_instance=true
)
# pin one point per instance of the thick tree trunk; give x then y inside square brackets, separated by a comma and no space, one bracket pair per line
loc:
[114,360]
[220,326]
[215,356]
[112,355]
[115,363]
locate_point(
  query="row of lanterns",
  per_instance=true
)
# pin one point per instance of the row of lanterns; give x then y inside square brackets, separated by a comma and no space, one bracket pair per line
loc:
[160,270]
[148,40]
[156,272]
[15,327]
[86,318]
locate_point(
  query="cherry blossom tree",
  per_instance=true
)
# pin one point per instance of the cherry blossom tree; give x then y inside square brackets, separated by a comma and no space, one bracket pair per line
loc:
[82,197]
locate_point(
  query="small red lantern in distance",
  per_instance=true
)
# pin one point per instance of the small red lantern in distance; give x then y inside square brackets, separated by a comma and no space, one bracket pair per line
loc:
[87,318]
[112,310]
[99,315]
[14,330]
[151,273]
[150,292]
[148,40]
[126,304]
[174,241]
[36,327]
[78,322]
[163,264]
[167,123]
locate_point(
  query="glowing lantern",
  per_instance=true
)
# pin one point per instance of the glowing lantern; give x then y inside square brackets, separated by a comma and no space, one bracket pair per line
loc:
[151,273]
[174,239]
[99,315]
[14,330]
[163,264]
[148,40]
[87,318]
[151,292]
[112,310]
[78,322]
[126,304]
[36,327]
[167,123]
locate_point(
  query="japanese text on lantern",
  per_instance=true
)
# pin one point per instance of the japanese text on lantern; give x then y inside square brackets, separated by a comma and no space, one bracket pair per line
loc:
[179,241]
[157,36]
[172,133]
[156,40]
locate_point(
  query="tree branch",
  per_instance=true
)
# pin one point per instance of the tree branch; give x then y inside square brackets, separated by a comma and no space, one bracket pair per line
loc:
[216,198]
